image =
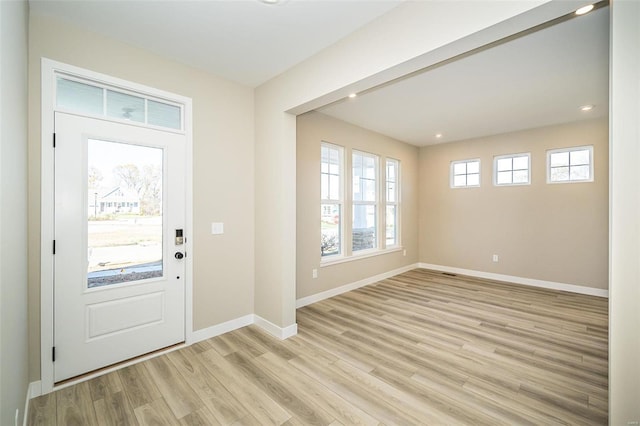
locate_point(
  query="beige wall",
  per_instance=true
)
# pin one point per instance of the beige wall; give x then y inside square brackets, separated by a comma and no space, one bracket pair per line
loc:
[552,232]
[223,173]
[13,210]
[312,129]
[540,231]
[410,37]
[380,51]
[397,43]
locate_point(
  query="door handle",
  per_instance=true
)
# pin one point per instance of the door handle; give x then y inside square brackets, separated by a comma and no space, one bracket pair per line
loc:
[179,255]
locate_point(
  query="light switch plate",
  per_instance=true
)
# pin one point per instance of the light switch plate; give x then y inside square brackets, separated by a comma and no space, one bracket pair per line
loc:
[217,228]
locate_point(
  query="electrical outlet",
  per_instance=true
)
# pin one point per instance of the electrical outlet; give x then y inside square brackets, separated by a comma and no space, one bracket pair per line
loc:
[314,273]
[495,258]
[404,252]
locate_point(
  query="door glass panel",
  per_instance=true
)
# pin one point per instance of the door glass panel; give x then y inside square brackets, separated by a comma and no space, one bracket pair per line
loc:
[124,213]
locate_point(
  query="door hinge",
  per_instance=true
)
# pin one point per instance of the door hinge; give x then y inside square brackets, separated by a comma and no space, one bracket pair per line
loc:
[54,140]
[53,354]
[54,246]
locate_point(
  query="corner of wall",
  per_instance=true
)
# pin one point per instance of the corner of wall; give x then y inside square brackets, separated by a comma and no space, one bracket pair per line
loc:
[13,226]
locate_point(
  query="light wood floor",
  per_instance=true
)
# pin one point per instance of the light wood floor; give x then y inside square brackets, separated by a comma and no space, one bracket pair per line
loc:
[418,348]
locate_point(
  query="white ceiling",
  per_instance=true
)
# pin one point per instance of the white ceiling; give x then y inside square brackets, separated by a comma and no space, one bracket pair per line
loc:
[246,41]
[537,80]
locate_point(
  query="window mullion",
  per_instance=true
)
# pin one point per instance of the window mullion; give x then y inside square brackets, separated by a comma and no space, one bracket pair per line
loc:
[348,205]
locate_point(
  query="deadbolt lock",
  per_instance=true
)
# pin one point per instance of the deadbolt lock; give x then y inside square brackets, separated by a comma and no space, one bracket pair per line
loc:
[179,237]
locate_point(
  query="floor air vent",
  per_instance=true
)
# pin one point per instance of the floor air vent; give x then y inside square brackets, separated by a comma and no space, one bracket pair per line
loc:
[449,274]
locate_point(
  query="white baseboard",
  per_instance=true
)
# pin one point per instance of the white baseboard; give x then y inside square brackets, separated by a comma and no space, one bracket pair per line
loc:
[218,329]
[304,301]
[276,331]
[34,390]
[519,280]
[234,324]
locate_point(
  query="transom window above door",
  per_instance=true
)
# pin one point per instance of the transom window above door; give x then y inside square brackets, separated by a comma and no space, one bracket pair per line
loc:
[92,99]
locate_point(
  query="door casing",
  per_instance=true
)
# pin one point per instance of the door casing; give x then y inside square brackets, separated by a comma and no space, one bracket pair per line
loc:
[48,74]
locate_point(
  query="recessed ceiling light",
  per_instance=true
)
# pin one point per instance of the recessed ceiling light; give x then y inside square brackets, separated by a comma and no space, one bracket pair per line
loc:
[438,135]
[352,95]
[270,1]
[584,9]
[586,108]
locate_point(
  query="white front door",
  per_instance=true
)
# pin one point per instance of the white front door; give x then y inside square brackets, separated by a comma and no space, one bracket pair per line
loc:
[119,271]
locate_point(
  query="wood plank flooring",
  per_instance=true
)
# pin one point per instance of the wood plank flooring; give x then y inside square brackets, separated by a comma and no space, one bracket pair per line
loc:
[419,348]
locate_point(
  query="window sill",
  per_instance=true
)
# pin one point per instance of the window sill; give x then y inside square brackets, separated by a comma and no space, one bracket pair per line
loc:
[367,254]
[558,182]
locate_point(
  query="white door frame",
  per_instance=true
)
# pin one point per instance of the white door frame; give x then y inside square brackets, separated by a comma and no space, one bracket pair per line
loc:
[48,106]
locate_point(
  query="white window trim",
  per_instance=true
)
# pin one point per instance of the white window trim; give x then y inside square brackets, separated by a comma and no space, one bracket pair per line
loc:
[570,149]
[393,203]
[340,202]
[347,254]
[363,254]
[49,70]
[495,169]
[470,160]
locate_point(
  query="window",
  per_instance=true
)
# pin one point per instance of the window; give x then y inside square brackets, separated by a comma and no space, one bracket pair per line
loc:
[392,200]
[365,201]
[570,165]
[92,98]
[331,177]
[512,169]
[465,173]
[360,214]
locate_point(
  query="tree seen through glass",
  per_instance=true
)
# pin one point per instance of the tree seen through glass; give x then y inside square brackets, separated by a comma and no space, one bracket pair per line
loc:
[124,227]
